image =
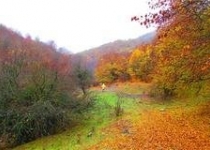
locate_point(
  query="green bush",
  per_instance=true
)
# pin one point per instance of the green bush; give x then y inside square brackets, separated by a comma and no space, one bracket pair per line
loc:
[36,104]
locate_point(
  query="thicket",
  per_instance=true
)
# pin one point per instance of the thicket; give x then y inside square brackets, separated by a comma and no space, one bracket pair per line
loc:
[37,90]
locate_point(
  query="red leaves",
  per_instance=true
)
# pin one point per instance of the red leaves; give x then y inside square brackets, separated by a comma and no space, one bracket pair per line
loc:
[135,18]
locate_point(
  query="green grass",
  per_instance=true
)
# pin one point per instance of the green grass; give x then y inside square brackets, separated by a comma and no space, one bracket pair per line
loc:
[76,138]
[100,117]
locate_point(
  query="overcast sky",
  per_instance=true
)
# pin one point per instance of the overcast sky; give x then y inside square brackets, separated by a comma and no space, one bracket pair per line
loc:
[74,24]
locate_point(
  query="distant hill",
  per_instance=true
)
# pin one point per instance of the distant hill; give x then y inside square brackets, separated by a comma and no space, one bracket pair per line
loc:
[121,45]
[91,56]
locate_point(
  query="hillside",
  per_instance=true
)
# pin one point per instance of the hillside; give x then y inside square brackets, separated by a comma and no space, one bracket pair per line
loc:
[33,77]
[148,93]
[145,124]
[91,56]
[122,45]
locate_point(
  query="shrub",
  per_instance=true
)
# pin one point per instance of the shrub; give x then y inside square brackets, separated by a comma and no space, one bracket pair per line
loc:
[118,105]
[36,103]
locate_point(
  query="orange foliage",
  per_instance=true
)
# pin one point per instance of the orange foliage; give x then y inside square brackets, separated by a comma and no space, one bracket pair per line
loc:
[159,130]
[112,67]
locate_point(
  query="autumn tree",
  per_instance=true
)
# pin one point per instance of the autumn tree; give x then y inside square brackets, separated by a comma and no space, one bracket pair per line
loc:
[140,63]
[182,49]
[112,67]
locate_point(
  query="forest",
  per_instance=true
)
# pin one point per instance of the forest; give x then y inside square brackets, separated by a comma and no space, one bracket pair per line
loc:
[157,94]
[177,61]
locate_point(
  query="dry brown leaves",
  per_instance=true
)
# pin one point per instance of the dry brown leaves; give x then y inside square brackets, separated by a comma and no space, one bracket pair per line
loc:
[159,130]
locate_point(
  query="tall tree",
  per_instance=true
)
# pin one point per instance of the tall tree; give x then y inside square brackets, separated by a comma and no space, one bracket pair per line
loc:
[183,45]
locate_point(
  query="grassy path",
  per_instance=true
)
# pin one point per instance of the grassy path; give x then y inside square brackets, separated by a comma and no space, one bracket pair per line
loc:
[149,125]
[78,138]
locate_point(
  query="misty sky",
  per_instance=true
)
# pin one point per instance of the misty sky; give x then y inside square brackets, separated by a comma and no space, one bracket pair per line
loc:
[74,24]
